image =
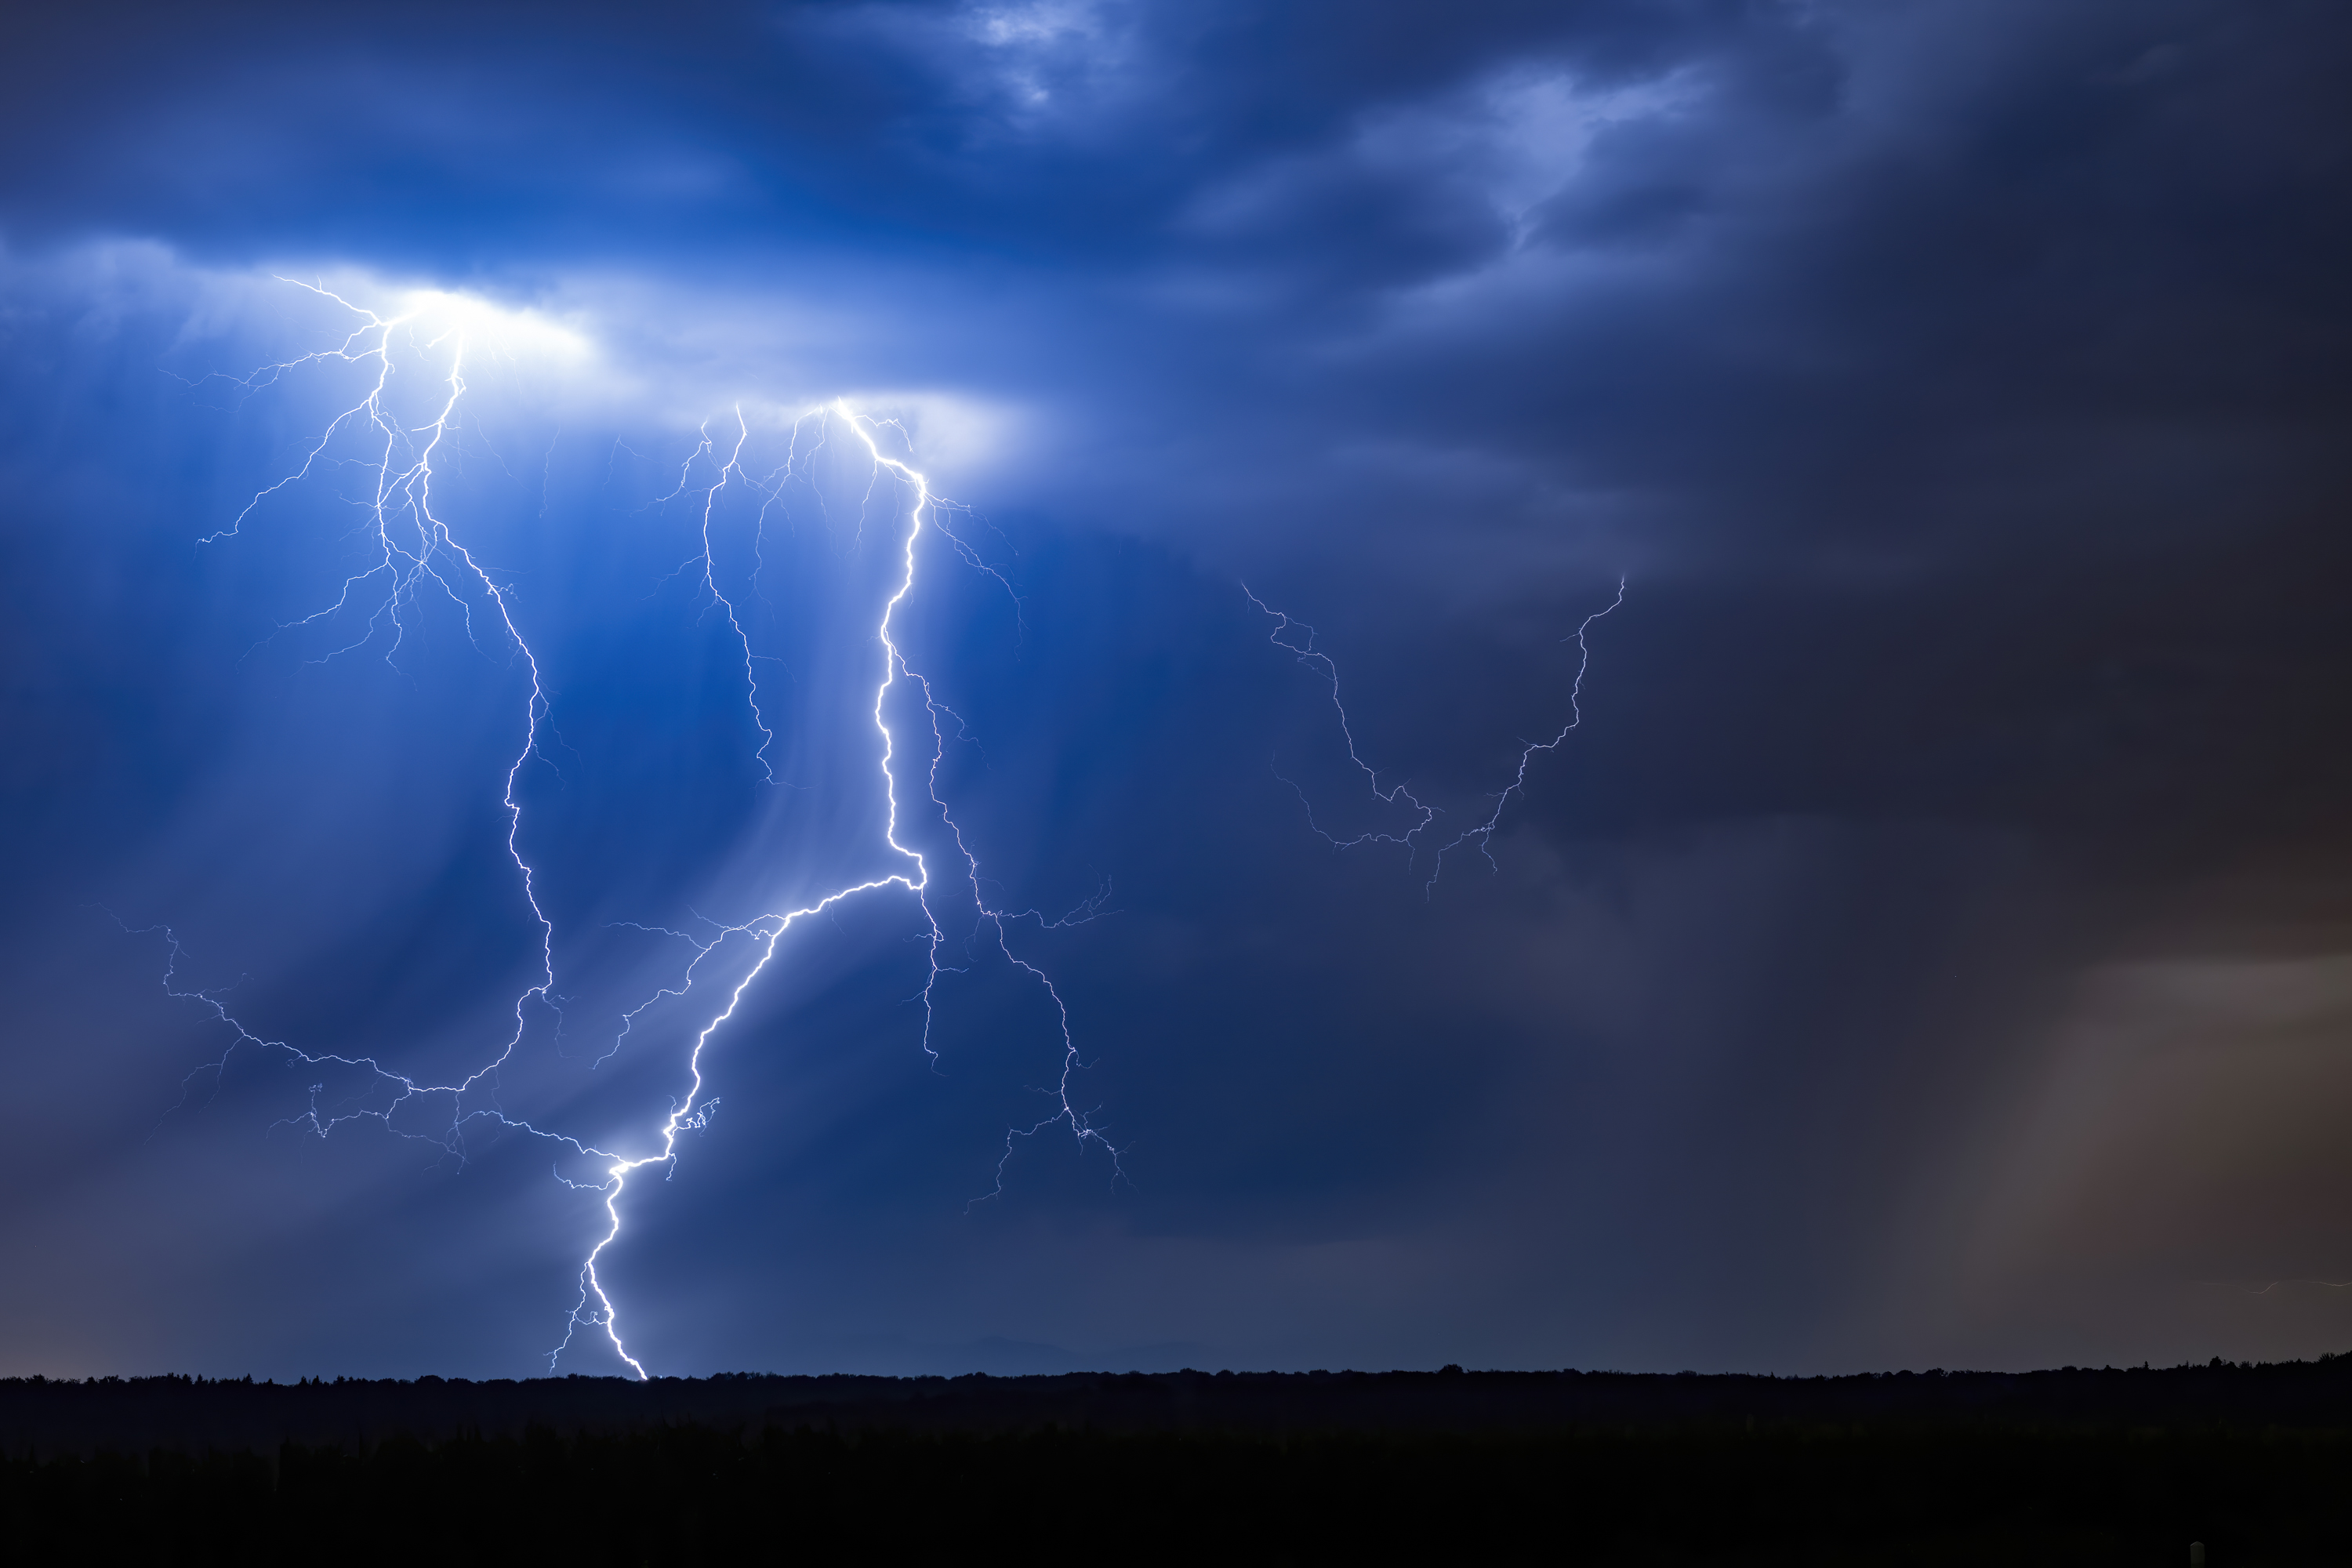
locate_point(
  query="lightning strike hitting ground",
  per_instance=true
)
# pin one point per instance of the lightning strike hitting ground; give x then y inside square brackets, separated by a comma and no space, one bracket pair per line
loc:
[1295,637]
[417,553]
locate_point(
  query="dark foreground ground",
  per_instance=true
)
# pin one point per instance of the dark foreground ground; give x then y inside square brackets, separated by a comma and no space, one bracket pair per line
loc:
[2075,1465]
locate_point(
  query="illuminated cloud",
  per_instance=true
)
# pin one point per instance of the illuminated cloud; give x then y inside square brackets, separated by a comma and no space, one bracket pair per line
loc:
[1957,390]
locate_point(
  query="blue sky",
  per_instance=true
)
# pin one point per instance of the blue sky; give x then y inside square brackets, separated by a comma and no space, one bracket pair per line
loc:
[1929,948]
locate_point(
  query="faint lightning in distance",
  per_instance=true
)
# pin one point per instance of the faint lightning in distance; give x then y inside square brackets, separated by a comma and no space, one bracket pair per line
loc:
[704,449]
[1307,654]
[1286,636]
[1485,832]
[415,551]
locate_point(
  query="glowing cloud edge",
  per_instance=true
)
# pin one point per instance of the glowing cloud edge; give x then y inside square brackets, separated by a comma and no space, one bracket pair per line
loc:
[405,487]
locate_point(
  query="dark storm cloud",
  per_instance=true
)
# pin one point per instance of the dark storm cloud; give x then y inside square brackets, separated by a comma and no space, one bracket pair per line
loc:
[1049,128]
[1962,388]
[1800,279]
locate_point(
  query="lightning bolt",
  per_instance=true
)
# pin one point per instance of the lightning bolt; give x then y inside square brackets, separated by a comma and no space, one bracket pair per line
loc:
[916,879]
[727,470]
[1295,637]
[1307,654]
[417,553]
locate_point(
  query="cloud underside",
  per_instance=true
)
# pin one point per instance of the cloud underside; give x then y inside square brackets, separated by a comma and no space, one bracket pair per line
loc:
[1931,946]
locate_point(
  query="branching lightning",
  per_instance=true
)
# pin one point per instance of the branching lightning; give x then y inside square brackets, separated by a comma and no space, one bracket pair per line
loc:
[765,929]
[1295,637]
[416,552]
[1309,655]
[726,470]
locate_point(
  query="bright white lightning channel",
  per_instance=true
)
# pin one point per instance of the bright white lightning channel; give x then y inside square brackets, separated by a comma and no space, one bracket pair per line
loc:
[417,554]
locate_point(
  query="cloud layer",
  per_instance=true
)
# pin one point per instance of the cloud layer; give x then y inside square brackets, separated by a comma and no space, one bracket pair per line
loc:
[1959,389]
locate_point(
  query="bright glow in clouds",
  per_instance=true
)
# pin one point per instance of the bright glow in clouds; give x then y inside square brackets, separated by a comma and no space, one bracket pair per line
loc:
[396,445]
[414,364]
[488,327]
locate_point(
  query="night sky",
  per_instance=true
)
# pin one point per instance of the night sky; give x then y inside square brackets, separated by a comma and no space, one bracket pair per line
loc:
[1932,945]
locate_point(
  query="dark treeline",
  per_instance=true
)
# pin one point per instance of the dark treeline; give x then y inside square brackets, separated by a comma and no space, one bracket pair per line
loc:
[2072,1466]
[132,1414]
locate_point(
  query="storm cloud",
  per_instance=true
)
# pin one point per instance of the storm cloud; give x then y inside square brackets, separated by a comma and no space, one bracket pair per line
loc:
[1928,949]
